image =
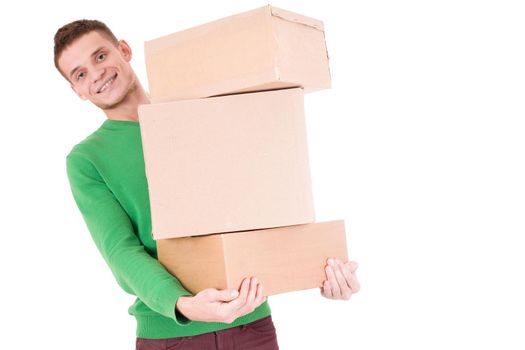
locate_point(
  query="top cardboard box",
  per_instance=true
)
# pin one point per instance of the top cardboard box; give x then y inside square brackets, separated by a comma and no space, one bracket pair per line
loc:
[263,49]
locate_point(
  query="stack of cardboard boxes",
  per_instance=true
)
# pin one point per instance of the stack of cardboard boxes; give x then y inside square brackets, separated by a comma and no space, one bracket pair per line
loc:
[226,153]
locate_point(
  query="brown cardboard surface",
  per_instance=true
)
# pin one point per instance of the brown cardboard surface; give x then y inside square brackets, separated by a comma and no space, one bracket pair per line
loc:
[251,51]
[284,259]
[230,163]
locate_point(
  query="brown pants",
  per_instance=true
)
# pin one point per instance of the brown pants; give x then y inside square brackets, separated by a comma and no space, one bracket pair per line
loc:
[258,335]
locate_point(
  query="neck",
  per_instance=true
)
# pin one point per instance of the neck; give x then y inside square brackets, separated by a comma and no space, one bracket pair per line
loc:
[127,109]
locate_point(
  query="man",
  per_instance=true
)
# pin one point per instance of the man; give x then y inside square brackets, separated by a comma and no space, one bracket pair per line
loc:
[107,177]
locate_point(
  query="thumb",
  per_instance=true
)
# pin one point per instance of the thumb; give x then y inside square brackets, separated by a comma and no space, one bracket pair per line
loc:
[222,295]
[353,265]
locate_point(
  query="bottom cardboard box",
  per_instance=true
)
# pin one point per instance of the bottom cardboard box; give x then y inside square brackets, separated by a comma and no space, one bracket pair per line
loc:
[283,259]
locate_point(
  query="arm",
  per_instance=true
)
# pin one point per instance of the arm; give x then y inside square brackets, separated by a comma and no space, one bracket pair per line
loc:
[134,269]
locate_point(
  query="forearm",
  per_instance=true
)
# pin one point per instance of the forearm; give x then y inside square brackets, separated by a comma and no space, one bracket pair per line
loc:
[135,270]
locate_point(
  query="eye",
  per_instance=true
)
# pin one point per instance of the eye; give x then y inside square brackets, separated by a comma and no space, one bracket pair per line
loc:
[101,57]
[81,75]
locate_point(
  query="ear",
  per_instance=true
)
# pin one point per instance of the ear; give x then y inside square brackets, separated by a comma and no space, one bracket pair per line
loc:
[125,50]
[78,94]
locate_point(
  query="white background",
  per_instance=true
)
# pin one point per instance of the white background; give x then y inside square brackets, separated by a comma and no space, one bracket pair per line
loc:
[419,146]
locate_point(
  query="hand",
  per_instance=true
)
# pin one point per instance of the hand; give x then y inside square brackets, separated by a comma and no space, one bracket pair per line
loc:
[341,280]
[212,305]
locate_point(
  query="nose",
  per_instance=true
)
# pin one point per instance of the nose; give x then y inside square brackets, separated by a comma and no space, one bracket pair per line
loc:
[96,73]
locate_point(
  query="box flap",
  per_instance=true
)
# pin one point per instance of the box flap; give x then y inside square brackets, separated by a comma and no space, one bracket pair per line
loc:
[296,18]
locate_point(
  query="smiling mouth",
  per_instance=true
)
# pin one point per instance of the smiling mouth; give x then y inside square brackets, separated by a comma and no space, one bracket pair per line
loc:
[107,84]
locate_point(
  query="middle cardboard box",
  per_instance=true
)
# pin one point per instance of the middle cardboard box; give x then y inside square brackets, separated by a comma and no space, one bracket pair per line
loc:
[225,164]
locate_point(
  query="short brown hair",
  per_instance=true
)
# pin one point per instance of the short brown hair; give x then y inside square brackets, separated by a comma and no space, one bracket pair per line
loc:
[66,35]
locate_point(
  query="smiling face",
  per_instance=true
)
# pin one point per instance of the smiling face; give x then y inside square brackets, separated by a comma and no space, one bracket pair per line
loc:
[98,70]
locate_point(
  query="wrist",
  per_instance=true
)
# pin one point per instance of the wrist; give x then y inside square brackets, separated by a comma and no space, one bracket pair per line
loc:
[181,307]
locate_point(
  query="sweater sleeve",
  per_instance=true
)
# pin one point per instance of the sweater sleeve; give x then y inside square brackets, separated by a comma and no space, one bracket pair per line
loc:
[134,269]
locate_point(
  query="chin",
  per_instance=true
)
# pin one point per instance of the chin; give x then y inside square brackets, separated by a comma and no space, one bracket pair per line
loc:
[112,104]
[117,100]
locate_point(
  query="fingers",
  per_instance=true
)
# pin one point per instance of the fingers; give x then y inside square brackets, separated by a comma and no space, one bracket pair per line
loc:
[250,303]
[341,281]
[252,292]
[259,297]
[250,297]
[344,287]
[212,305]
[238,302]
[326,290]
[348,270]
[353,265]
[332,280]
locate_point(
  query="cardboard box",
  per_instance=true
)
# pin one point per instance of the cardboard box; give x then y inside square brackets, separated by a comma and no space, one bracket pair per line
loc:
[284,259]
[230,163]
[263,49]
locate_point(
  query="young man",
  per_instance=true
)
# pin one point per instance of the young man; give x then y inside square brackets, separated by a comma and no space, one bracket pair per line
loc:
[107,178]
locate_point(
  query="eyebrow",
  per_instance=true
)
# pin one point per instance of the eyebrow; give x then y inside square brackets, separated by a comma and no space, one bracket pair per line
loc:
[92,55]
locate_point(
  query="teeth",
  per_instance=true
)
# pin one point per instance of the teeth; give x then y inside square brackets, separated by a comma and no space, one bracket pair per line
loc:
[104,87]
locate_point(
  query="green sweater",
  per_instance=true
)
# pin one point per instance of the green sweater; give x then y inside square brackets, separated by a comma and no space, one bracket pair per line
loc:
[108,181]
